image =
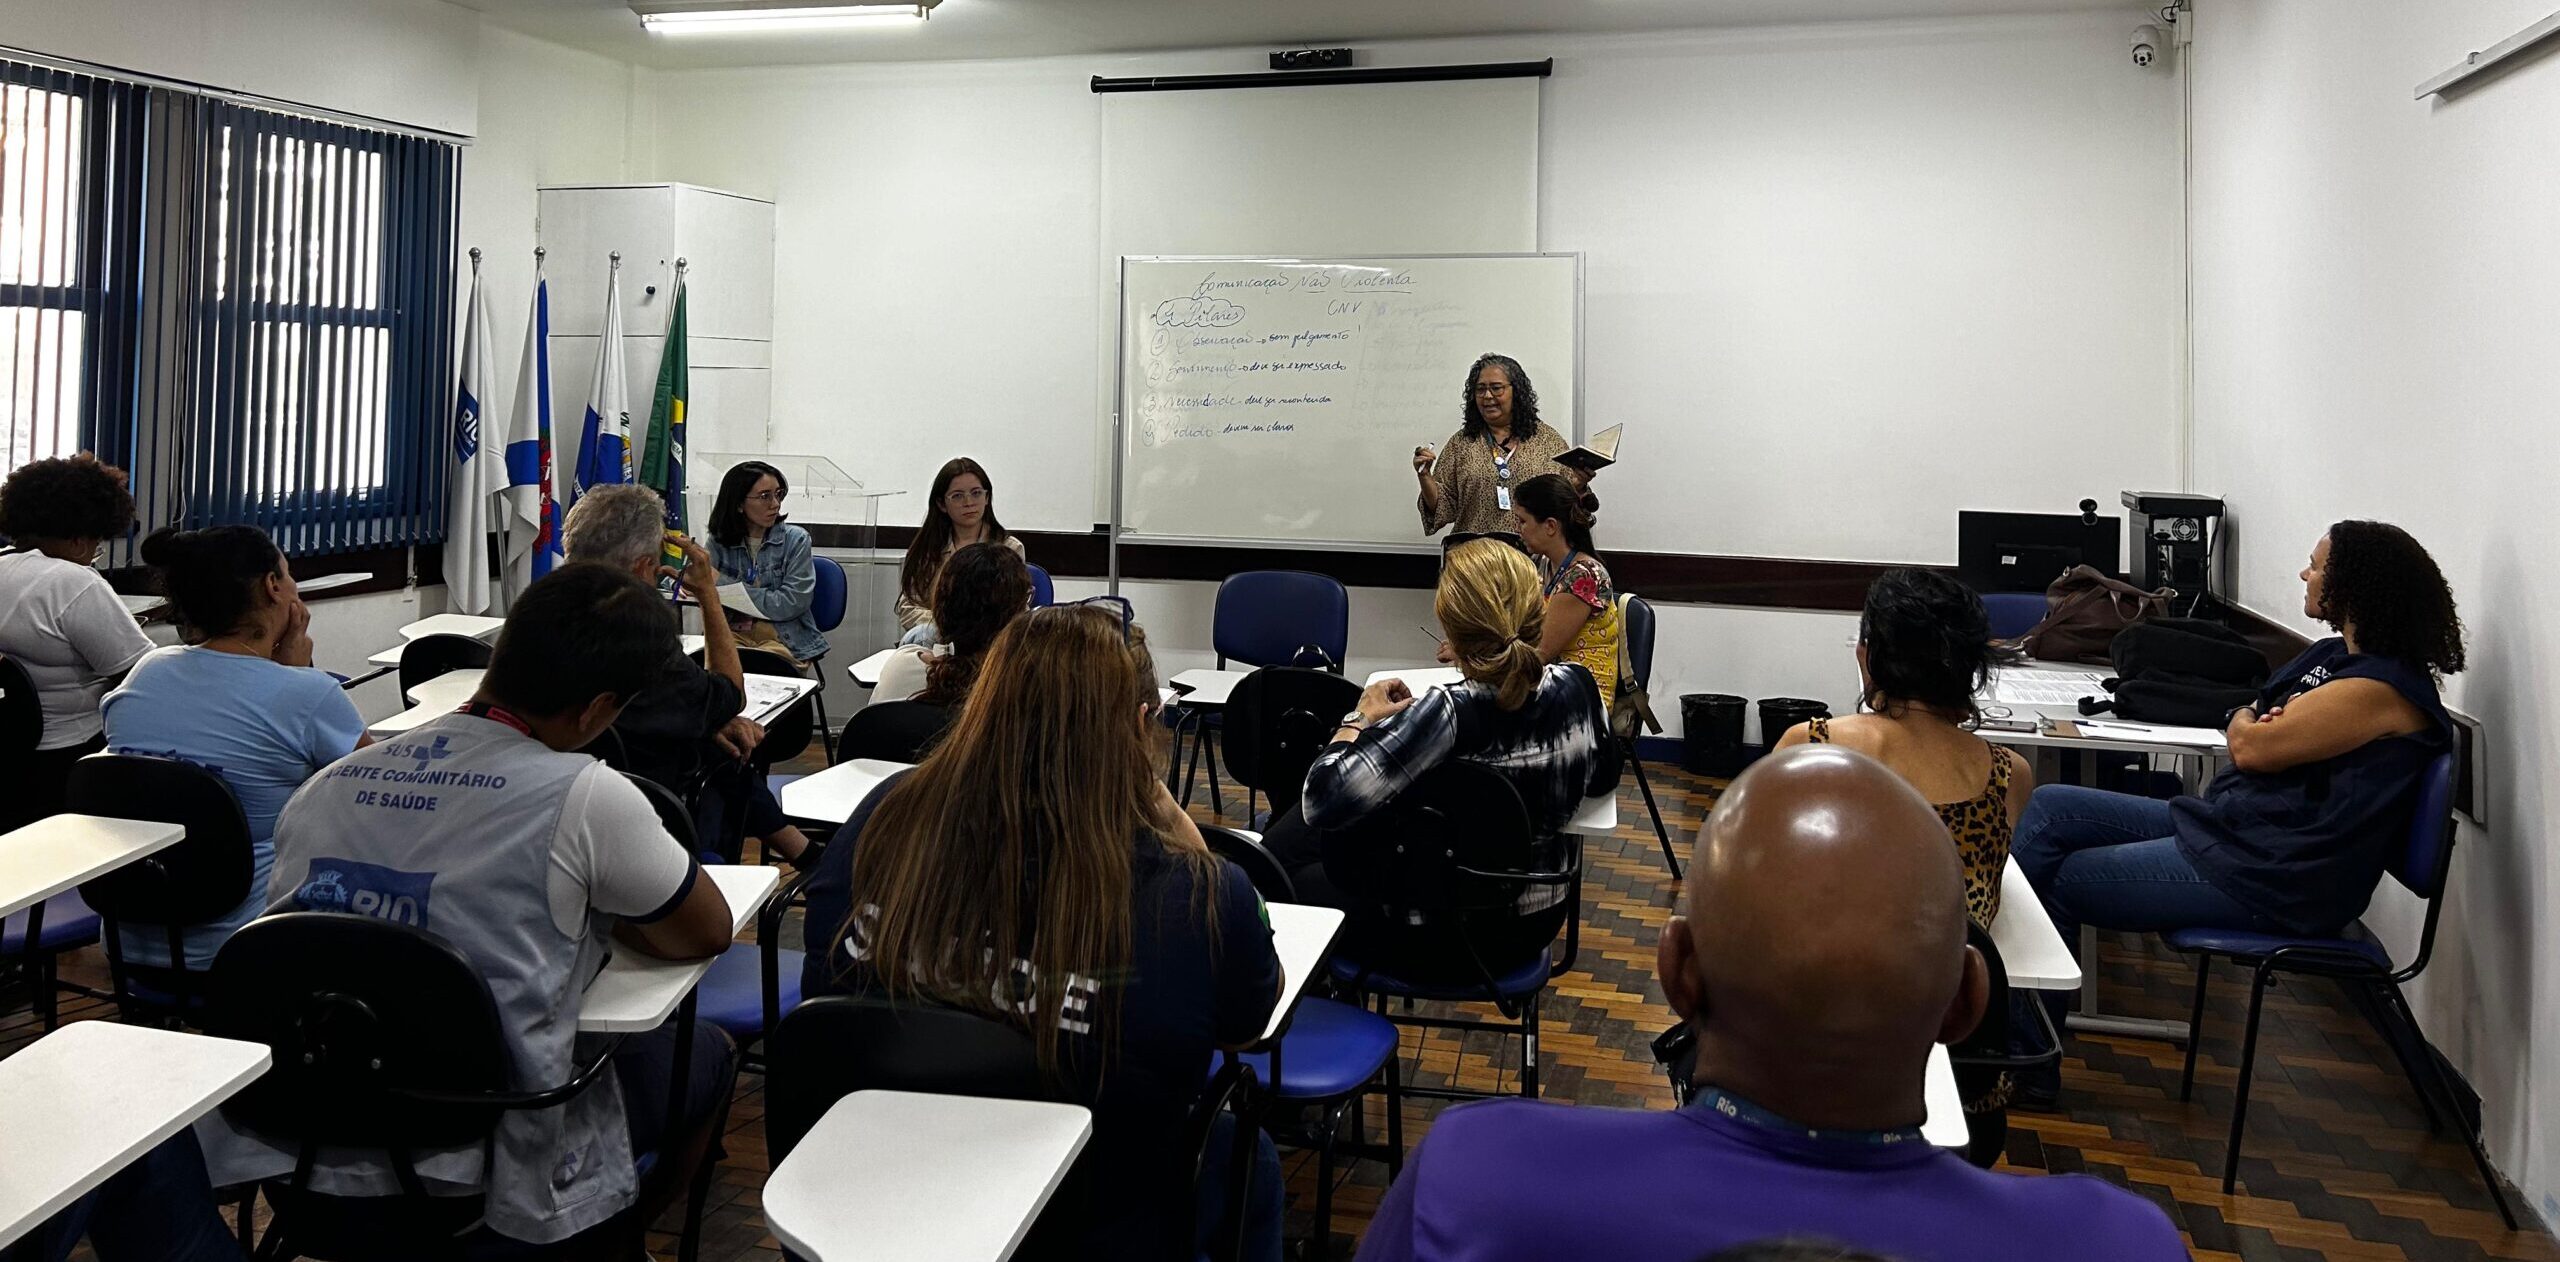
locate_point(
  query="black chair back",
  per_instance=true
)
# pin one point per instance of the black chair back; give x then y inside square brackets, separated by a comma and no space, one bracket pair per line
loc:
[1276,721]
[676,817]
[831,1047]
[189,883]
[428,656]
[897,731]
[21,730]
[791,731]
[373,1024]
[1269,876]
[1457,841]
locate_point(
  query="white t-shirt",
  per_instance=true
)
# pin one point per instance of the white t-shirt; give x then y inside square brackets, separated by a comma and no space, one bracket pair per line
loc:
[611,853]
[65,626]
[903,675]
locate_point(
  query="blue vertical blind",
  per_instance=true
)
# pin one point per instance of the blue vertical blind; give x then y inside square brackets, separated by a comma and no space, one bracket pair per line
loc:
[250,309]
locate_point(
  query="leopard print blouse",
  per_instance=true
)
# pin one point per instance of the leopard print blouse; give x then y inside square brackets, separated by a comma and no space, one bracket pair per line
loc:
[1980,826]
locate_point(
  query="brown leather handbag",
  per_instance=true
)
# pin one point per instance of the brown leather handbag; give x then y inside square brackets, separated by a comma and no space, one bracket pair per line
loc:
[2084,610]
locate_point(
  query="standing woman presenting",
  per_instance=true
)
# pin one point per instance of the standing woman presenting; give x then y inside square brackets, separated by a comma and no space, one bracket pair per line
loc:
[753,545]
[1500,444]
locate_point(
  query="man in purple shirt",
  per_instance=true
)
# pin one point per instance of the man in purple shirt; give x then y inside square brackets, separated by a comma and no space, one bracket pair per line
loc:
[1821,955]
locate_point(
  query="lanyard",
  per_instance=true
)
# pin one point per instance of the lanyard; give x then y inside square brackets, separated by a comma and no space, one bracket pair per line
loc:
[1501,459]
[495,714]
[1733,1106]
[1556,580]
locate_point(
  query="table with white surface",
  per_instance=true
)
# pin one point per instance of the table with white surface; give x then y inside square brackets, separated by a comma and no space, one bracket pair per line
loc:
[55,854]
[1301,933]
[1422,678]
[867,671]
[769,696]
[2031,949]
[1206,688]
[831,796]
[450,689]
[1943,1124]
[83,1102]
[636,993]
[689,644]
[969,1177]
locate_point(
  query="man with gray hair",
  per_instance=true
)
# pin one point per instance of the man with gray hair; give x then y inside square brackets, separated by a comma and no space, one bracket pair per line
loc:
[686,724]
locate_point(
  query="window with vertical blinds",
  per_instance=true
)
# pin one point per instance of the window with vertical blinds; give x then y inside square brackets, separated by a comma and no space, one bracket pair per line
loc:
[250,310]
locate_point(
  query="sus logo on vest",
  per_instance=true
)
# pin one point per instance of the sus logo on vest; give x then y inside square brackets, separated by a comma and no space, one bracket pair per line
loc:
[366,889]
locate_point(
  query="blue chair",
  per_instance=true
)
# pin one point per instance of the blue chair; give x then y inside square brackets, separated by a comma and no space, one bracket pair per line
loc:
[61,924]
[1326,1056]
[751,984]
[2354,959]
[1043,592]
[1636,623]
[1455,852]
[2013,614]
[1270,618]
[826,608]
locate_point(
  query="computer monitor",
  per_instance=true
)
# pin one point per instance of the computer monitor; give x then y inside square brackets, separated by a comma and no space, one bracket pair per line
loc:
[2025,552]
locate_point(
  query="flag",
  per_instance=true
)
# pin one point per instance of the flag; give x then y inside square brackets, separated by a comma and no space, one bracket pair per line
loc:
[604,438]
[480,473]
[662,459]
[533,528]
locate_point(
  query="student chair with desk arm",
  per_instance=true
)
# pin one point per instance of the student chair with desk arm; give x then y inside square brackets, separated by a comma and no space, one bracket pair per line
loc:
[1982,1057]
[202,877]
[1276,722]
[1436,874]
[1327,1056]
[833,1046]
[385,1039]
[752,983]
[1636,623]
[2358,961]
[826,609]
[1271,618]
[894,731]
[40,935]
[428,656]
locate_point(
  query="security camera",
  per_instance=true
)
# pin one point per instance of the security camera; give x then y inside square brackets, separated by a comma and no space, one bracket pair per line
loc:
[2146,44]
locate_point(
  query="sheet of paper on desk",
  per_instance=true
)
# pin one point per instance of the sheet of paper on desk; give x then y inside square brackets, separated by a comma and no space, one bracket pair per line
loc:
[2046,687]
[769,693]
[2107,731]
[734,598]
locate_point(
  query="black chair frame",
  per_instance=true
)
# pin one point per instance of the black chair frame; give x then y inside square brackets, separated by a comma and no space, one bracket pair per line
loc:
[1276,722]
[201,877]
[428,656]
[1630,609]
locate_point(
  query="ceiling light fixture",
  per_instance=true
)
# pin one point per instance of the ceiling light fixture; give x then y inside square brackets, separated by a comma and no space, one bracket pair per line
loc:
[691,17]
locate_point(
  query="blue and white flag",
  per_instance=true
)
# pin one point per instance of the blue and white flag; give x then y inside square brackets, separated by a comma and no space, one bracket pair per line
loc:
[533,525]
[480,471]
[604,438]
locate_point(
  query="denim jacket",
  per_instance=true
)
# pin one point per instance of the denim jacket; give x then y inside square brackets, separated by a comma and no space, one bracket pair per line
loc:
[782,576]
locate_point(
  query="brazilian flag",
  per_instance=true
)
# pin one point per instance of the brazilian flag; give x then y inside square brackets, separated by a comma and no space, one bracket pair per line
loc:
[662,461]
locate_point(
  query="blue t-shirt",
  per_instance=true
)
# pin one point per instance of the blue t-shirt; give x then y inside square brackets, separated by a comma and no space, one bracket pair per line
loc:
[261,726]
[2305,846]
[1185,994]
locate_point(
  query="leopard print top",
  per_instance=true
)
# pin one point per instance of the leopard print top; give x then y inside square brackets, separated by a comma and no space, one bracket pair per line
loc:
[1980,826]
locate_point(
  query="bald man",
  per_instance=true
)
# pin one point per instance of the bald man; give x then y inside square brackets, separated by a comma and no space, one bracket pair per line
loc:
[1821,954]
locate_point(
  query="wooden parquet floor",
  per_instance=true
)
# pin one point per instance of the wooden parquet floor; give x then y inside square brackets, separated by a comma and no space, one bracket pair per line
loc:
[2339,1163]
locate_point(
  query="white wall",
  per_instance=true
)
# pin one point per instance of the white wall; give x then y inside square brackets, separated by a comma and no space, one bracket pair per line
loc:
[2377,288]
[1921,265]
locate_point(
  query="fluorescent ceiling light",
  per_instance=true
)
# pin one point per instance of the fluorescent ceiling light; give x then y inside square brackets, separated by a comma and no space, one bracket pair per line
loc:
[671,20]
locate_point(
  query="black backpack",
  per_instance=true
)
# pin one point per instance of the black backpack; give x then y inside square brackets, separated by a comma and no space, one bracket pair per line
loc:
[2184,672]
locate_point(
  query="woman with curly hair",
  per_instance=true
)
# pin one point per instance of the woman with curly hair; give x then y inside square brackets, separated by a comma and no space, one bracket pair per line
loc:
[976,594]
[2293,836]
[1499,446]
[58,618]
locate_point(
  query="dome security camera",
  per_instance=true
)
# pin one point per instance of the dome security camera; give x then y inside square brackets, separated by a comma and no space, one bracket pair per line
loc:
[2146,44]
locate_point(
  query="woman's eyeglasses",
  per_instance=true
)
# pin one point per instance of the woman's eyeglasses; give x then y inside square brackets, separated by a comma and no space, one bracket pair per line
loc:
[1116,606]
[971,496]
[768,497]
[1492,387]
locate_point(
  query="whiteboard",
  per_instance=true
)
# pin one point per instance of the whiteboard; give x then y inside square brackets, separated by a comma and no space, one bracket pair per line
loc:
[1278,401]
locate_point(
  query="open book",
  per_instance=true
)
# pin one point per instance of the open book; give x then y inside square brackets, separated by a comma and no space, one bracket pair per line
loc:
[1597,454]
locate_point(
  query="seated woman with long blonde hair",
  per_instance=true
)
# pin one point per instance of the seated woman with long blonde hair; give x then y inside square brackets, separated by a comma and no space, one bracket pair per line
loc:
[1541,725]
[1038,836]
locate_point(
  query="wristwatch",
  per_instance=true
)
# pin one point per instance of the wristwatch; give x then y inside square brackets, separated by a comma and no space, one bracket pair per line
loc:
[1354,720]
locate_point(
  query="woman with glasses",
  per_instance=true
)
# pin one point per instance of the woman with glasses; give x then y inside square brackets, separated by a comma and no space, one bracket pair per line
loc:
[1499,446]
[960,512]
[752,545]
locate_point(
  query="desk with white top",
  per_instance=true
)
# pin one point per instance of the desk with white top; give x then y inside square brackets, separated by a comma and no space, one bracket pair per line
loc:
[1421,678]
[968,1178]
[867,671]
[83,1102]
[2031,949]
[1301,934]
[1205,688]
[52,855]
[831,796]
[1943,1124]
[770,696]
[486,629]
[449,690]
[636,993]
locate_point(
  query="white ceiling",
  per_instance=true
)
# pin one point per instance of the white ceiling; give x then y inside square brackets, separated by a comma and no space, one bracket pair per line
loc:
[963,29]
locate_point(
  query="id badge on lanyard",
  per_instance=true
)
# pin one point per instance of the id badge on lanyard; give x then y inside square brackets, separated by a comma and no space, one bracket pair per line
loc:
[1502,477]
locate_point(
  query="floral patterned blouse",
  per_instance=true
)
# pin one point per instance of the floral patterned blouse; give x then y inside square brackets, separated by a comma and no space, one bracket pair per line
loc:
[1596,649]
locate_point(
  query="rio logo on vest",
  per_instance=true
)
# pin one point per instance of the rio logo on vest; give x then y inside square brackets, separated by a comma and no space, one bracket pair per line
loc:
[366,889]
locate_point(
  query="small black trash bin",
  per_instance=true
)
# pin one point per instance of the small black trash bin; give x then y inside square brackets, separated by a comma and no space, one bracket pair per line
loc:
[1777,714]
[1711,733]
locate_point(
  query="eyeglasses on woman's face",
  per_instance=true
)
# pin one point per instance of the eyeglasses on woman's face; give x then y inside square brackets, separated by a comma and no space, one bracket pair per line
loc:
[973,495]
[767,497]
[1493,388]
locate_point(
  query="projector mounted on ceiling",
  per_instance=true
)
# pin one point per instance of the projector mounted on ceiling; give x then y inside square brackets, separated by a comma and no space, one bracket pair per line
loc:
[691,17]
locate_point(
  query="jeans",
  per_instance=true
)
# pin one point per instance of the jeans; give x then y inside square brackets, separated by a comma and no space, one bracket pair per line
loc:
[2112,860]
[923,634]
[159,1208]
